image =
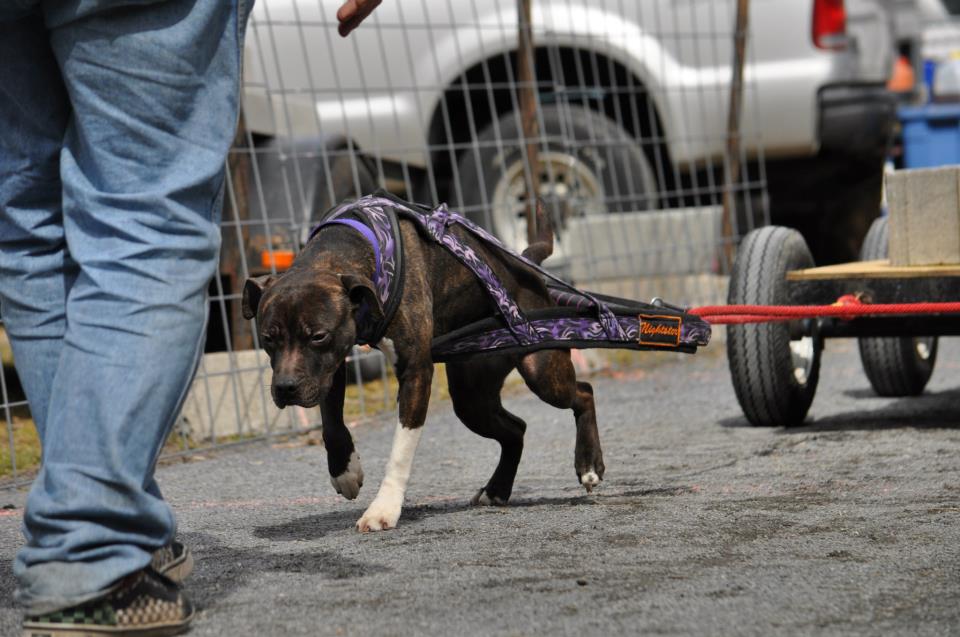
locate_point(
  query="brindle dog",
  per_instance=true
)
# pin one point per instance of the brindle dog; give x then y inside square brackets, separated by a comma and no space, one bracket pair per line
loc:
[306,321]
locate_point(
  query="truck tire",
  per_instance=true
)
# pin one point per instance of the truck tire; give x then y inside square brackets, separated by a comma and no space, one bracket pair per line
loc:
[589,165]
[774,378]
[895,365]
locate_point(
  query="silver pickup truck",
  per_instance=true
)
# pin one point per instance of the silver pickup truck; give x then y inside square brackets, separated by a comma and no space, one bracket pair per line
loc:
[427,90]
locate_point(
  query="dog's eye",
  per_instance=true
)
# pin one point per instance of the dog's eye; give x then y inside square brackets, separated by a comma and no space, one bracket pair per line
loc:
[319,338]
[266,340]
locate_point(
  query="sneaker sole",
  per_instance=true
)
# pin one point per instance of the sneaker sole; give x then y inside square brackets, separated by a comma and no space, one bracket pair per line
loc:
[62,630]
[84,631]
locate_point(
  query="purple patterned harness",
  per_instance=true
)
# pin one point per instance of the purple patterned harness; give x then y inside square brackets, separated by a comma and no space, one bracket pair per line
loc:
[579,320]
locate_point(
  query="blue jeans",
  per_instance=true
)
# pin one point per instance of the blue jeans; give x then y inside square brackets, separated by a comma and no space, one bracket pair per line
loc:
[115,121]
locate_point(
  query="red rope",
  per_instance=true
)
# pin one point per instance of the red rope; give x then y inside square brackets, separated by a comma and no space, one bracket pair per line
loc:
[847,307]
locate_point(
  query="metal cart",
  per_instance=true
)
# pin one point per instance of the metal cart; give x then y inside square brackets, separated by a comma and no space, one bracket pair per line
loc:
[776,366]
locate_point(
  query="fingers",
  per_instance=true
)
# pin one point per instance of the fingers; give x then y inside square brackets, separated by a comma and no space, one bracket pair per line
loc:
[352,13]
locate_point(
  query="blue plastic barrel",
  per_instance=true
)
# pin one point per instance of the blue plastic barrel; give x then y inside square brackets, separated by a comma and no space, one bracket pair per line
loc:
[931,135]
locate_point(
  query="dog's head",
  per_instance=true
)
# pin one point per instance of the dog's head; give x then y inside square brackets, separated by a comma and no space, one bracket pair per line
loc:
[306,324]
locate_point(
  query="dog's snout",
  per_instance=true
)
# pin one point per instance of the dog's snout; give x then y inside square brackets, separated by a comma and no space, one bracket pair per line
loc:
[285,388]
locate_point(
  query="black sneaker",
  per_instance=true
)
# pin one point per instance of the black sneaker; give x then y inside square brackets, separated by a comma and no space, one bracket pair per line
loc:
[174,561]
[144,604]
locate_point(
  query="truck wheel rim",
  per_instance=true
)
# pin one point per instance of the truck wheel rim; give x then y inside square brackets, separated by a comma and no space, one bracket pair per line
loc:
[802,354]
[569,188]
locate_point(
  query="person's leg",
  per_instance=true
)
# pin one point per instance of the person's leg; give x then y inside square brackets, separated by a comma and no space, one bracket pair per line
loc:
[154,92]
[34,112]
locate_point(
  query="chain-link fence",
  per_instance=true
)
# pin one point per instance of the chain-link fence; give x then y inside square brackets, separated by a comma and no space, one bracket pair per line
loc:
[636,158]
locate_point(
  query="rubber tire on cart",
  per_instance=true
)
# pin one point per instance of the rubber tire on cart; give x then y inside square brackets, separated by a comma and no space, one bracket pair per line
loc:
[775,378]
[895,365]
[588,164]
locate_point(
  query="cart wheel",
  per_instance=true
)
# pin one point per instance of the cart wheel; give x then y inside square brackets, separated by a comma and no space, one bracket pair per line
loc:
[895,365]
[774,377]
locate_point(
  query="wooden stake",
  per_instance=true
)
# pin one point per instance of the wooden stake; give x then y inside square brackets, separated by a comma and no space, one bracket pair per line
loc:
[526,79]
[732,156]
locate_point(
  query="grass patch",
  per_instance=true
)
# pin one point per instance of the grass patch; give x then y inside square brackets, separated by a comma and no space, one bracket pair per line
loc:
[372,393]
[6,353]
[27,447]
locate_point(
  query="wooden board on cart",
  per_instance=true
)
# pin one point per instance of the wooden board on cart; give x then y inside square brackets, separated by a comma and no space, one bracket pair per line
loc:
[877,269]
[877,281]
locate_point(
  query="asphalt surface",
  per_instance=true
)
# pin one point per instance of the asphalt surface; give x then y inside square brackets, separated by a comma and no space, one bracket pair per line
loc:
[848,525]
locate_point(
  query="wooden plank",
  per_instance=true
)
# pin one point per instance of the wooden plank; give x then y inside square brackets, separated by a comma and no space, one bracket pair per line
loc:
[879,269]
[526,81]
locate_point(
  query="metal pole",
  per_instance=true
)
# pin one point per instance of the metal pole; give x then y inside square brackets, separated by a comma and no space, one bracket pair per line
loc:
[732,156]
[526,81]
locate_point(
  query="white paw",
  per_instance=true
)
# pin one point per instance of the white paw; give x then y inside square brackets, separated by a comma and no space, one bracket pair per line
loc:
[482,499]
[349,482]
[382,514]
[589,480]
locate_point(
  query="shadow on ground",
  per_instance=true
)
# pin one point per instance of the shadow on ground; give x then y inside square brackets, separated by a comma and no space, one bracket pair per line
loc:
[937,410]
[221,570]
[313,527]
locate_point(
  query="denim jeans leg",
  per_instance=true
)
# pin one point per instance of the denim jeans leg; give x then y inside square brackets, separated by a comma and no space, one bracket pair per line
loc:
[154,92]
[34,263]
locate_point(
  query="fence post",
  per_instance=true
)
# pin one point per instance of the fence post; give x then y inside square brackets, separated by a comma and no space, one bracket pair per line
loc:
[731,162]
[240,335]
[526,79]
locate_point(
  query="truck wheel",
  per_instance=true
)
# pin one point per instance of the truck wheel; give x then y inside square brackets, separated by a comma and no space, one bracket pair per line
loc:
[588,165]
[774,377]
[895,365]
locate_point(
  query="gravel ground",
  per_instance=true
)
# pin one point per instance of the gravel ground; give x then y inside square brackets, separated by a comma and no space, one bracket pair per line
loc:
[848,525]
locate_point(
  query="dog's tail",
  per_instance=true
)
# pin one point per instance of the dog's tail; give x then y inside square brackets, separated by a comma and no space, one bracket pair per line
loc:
[542,246]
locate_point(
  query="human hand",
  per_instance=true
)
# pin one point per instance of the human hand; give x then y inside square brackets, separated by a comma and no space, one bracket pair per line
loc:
[352,13]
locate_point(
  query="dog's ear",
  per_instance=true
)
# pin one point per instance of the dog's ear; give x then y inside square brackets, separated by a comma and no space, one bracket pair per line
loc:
[253,289]
[360,289]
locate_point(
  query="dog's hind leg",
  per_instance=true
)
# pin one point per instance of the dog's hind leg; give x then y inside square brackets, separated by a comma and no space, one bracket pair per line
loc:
[475,389]
[551,376]
[346,475]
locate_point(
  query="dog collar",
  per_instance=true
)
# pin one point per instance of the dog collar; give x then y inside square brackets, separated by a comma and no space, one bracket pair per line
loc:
[375,219]
[367,234]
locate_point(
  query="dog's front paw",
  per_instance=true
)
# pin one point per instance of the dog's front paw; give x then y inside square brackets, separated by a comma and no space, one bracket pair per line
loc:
[349,482]
[590,471]
[382,514]
[589,480]
[482,498]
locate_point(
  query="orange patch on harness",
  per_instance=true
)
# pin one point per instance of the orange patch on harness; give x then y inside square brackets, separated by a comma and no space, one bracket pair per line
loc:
[659,330]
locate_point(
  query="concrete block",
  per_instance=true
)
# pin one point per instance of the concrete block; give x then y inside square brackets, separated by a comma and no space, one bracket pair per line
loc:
[230,396]
[645,243]
[924,207]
